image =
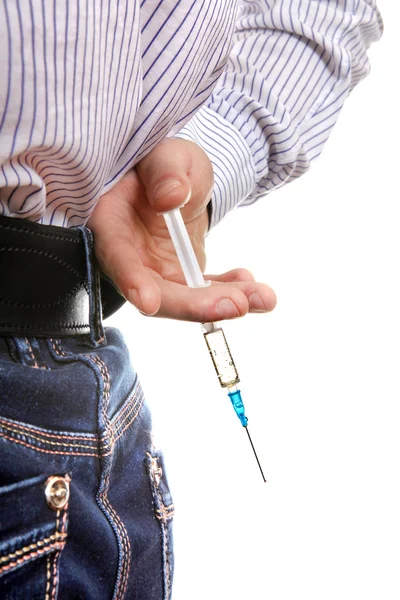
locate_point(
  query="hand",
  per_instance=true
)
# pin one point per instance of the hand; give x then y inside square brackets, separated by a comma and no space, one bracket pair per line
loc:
[134,248]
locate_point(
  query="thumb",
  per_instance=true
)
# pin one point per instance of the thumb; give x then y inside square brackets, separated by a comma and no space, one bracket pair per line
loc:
[164,174]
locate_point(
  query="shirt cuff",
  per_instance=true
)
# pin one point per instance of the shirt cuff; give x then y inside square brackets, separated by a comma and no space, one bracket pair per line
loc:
[231,158]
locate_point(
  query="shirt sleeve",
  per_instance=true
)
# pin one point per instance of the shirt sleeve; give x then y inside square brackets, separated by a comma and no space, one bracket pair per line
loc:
[292,65]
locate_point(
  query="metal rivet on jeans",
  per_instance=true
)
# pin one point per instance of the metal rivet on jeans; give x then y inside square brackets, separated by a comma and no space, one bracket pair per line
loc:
[57,492]
[155,470]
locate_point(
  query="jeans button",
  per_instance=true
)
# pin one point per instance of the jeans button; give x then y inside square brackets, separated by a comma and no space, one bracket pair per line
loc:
[57,492]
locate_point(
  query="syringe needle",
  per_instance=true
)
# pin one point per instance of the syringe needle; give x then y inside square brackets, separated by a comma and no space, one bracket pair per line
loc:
[255,454]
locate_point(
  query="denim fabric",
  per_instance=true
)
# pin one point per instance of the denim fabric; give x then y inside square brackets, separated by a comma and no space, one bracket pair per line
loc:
[73,408]
[75,411]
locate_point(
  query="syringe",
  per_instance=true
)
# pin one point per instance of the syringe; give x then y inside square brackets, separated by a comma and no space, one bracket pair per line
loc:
[215,338]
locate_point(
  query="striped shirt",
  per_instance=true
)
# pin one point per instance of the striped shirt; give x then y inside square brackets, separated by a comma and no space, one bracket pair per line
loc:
[91,86]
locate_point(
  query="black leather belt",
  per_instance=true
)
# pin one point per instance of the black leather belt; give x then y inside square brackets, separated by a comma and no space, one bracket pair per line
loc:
[50,282]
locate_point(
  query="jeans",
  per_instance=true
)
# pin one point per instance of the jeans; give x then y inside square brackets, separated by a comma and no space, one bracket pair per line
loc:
[85,509]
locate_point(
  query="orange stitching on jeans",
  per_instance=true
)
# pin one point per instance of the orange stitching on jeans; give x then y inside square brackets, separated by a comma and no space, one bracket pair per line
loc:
[38,449]
[165,513]
[167,561]
[133,418]
[163,516]
[39,552]
[124,540]
[106,394]
[55,557]
[52,538]
[105,442]
[126,555]
[64,521]
[112,434]
[134,398]
[106,397]
[55,561]
[48,575]
[57,520]
[125,543]
[117,434]
[106,382]
[30,351]
[38,439]
[90,437]
[119,419]
[116,425]
[122,536]
[62,534]
[58,350]
[125,558]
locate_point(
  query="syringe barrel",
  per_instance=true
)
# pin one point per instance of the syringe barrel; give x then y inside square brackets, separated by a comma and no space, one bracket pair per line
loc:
[222,358]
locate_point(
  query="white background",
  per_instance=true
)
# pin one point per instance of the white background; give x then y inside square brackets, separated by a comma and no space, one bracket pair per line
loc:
[320,380]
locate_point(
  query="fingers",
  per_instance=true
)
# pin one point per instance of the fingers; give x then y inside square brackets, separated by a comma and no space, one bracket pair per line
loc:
[120,261]
[219,301]
[232,276]
[170,178]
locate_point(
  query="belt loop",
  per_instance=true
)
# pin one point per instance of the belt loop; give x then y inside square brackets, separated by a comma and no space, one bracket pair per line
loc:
[93,276]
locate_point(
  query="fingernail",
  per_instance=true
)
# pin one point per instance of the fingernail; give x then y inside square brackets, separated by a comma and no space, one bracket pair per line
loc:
[256,304]
[134,298]
[143,300]
[226,309]
[165,187]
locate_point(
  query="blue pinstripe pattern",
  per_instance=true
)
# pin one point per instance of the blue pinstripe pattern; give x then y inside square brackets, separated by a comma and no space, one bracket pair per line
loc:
[89,87]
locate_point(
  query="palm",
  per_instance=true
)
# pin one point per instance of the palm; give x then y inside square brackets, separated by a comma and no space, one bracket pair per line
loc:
[135,250]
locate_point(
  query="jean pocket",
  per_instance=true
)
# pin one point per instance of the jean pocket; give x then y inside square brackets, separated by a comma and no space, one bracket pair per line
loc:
[33,533]
[164,512]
